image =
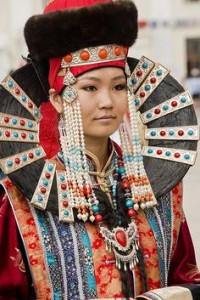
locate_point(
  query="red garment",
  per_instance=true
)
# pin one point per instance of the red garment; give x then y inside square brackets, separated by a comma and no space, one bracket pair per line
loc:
[15,279]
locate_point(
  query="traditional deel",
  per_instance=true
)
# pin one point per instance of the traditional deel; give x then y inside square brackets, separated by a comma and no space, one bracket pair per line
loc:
[74,186]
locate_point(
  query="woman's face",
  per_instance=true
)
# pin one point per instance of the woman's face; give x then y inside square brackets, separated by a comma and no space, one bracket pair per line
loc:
[102,95]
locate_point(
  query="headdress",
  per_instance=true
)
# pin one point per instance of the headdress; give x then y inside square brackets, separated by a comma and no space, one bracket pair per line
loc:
[74,40]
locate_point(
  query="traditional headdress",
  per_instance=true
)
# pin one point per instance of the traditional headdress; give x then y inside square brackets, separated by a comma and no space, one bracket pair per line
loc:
[74,37]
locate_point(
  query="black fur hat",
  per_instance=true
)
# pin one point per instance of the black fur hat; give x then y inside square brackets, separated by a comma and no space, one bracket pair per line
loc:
[54,34]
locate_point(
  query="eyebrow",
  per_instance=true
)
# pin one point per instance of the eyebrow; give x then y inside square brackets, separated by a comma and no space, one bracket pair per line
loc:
[98,79]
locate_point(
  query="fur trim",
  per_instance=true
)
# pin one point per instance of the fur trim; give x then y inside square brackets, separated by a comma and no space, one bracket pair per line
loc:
[55,34]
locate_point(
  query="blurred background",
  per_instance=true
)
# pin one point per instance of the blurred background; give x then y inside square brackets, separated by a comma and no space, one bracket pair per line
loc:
[169,33]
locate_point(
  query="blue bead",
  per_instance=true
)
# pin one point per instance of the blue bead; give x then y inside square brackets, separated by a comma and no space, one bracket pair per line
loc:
[14,121]
[36,112]
[15,134]
[64,195]
[150,151]
[183,99]
[62,178]
[31,136]
[165,107]
[9,163]
[38,152]
[45,182]
[121,170]
[50,168]
[190,132]
[145,65]
[168,153]
[159,73]
[171,132]
[10,84]
[134,80]
[137,102]
[129,203]
[40,198]
[153,133]
[0,133]
[95,208]
[24,157]
[23,98]
[187,156]
[147,87]
[30,124]
[149,115]
[66,213]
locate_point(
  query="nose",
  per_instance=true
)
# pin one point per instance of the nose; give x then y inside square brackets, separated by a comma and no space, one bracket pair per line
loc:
[105,99]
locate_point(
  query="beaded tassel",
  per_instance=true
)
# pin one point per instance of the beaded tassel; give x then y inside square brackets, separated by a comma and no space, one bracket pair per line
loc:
[80,193]
[133,161]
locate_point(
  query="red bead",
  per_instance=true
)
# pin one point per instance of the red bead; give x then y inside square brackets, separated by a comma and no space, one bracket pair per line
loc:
[23,135]
[98,218]
[65,203]
[120,163]
[6,119]
[43,190]
[162,133]
[63,186]
[30,105]
[131,212]
[84,55]
[125,185]
[7,134]
[153,80]
[103,53]
[22,122]
[157,111]
[180,132]
[159,152]
[47,175]
[139,73]
[118,51]
[17,160]
[68,58]
[142,94]
[174,103]
[17,91]
[126,51]
[177,155]
[30,155]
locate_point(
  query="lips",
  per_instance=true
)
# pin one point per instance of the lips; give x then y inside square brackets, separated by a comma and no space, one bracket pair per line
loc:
[105,117]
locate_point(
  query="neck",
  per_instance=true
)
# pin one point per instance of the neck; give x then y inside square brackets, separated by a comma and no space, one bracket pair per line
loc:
[100,148]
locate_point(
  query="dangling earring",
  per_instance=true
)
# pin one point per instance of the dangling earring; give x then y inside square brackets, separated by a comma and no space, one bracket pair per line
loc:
[142,192]
[80,193]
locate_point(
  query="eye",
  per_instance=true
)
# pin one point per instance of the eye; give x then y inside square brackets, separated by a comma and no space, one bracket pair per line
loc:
[89,88]
[120,87]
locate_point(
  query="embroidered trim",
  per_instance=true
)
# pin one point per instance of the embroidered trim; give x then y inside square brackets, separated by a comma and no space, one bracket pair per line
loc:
[22,159]
[15,90]
[177,155]
[169,106]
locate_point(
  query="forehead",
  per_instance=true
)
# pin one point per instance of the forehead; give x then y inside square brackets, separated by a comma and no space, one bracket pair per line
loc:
[104,72]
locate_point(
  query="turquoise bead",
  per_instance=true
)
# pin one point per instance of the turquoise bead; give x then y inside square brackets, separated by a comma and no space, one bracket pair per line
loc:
[150,151]
[187,156]
[165,107]
[168,153]
[14,121]
[147,87]
[134,80]
[95,208]
[190,132]
[145,65]
[23,98]
[153,133]
[159,73]
[137,102]
[9,163]
[183,99]
[121,170]
[149,115]
[40,198]
[129,203]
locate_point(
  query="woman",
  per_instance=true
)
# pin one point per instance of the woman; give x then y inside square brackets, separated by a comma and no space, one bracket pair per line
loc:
[93,227]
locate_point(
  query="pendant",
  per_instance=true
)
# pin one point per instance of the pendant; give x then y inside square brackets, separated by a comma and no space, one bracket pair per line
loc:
[124,244]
